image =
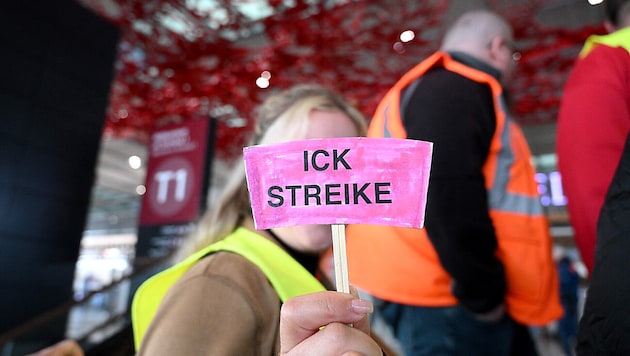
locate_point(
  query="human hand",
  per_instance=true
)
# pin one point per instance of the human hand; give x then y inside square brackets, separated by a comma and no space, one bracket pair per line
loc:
[318,324]
[492,315]
[62,348]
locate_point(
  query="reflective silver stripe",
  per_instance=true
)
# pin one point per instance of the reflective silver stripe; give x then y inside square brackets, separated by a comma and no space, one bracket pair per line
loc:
[498,197]
[386,132]
[514,203]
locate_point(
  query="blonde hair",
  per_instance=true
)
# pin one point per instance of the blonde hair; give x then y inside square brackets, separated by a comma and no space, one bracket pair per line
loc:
[282,117]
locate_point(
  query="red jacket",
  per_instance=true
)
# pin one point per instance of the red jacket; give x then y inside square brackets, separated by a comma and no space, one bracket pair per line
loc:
[593,123]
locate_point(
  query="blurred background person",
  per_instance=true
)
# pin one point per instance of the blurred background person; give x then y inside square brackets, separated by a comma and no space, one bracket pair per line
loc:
[569,283]
[482,268]
[593,123]
[593,127]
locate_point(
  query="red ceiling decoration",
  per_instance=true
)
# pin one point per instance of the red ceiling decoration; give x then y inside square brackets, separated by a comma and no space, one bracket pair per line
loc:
[179,60]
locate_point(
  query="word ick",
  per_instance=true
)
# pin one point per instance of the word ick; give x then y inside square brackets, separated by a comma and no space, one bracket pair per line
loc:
[337,159]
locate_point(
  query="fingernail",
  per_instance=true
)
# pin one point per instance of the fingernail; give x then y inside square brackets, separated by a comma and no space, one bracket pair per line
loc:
[361,306]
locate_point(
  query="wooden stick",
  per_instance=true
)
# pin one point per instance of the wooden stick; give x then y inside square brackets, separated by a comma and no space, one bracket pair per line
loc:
[340,258]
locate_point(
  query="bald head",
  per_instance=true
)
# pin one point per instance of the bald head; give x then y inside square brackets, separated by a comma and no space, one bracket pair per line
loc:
[484,35]
[473,31]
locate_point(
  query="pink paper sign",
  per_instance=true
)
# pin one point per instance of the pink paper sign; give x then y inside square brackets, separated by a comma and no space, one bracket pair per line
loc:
[354,180]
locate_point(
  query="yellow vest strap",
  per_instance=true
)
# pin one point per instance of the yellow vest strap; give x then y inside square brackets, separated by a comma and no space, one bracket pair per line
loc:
[619,38]
[288,277]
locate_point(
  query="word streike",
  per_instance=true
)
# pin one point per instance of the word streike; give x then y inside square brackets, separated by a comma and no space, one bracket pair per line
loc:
[350,194]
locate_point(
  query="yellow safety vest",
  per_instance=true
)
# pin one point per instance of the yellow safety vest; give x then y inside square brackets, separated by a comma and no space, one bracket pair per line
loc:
[401,265]
[287,276]
[619,38]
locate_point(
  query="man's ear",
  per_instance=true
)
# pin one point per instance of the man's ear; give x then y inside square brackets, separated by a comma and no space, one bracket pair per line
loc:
[495,47]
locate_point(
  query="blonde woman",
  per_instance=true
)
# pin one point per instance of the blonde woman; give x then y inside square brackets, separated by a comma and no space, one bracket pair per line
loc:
[225,298]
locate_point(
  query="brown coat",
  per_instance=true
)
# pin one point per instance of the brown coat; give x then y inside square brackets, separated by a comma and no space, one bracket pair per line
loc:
[240,313]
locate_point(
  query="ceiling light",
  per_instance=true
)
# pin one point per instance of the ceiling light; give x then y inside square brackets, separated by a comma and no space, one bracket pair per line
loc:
[135,162]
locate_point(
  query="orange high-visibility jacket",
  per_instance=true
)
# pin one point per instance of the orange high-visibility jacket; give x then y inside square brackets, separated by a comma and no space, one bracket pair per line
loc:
[401,265]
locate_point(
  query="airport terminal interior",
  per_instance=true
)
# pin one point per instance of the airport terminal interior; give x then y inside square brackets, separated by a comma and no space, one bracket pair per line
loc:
[125,69]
